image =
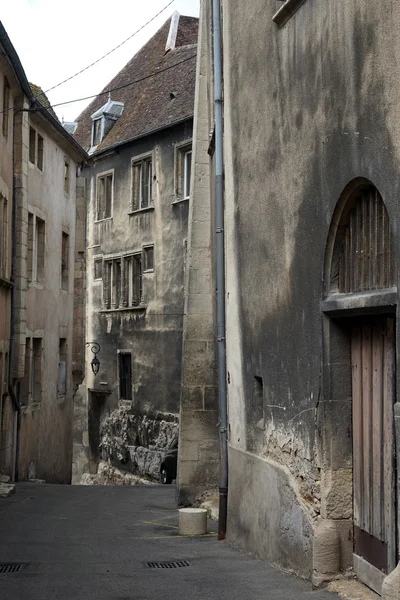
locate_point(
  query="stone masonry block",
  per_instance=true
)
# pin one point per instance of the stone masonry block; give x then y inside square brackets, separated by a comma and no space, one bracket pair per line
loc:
[192,398]
[337,494]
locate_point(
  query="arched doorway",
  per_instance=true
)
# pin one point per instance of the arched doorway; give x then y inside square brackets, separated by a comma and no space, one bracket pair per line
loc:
[359,330]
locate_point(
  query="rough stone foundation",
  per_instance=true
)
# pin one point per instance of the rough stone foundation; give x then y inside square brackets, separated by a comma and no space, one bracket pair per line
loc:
[139,442]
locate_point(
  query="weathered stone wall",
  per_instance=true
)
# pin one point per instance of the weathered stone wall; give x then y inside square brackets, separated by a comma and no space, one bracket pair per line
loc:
[139,442]
[308,108]
[198,445]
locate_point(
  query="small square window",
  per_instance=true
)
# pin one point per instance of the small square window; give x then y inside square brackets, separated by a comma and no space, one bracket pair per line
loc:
[148,255]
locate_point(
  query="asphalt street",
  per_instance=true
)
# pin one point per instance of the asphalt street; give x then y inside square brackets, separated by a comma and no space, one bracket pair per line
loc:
[94,543]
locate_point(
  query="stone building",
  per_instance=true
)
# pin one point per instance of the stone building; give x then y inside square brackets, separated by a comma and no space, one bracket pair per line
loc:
[38,219]
[312,163]
[138,134]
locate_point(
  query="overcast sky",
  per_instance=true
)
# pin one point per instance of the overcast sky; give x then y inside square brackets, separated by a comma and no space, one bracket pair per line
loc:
[55,39]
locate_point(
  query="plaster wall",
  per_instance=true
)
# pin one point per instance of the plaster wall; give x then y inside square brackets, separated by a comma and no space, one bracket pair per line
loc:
[152,332]
[309,107]
[46,425]
[7,141]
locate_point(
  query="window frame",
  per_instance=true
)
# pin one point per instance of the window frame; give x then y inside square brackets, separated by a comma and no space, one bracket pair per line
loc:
[136,200]
[127,270]
[99,177]
[145,268]
[67,177]
[101,132]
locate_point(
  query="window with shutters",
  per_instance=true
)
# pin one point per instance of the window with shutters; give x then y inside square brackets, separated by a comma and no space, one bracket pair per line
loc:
[125,375]
[104,196]
[142,184]
[62,368]
[123,282]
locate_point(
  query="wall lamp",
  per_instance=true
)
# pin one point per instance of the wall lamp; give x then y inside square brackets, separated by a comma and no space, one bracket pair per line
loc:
[95,363]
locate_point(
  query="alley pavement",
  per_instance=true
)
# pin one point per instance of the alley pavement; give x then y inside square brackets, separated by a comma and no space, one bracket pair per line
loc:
[95,543]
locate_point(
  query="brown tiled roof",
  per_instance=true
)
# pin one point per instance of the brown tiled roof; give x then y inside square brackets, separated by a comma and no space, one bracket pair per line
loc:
[41,97]
[158,101]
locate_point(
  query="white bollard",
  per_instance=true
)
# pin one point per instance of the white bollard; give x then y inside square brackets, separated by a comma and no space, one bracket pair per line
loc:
[192,521]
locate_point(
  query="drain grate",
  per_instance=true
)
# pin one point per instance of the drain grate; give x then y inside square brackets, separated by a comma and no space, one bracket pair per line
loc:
[175,564]
[10,567]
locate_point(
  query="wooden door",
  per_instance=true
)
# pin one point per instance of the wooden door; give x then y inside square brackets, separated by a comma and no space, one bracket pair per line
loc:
[373,369]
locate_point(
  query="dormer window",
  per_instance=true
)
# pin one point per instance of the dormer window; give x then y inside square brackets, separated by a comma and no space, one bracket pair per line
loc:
[96,139]
[103,120]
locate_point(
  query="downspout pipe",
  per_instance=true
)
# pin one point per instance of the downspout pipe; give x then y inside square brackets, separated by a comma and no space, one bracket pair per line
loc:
[220,269]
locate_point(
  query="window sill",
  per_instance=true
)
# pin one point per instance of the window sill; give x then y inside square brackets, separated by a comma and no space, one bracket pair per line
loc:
[28,408]
[102,220]
[36,284]
[140,308]
[180,200]
[287,10]
[141,210]
[6,283]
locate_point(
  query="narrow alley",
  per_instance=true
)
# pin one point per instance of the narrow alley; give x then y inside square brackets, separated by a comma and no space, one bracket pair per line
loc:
[94,543]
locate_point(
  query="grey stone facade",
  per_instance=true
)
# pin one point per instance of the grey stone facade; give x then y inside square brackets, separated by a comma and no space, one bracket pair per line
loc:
[310,115]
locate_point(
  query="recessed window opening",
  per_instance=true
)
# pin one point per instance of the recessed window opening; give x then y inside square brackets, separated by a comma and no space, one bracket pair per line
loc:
[32,381]
[122,282]
[125,375]
[32,145]
[40,153]
[36,248]
[66,177]
[62,367]
[4,236]
[98,268]
[148,254]
[142,184]
[64,260]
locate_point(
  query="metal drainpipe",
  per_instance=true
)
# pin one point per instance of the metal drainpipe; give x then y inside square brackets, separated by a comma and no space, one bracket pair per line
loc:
[220,269]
